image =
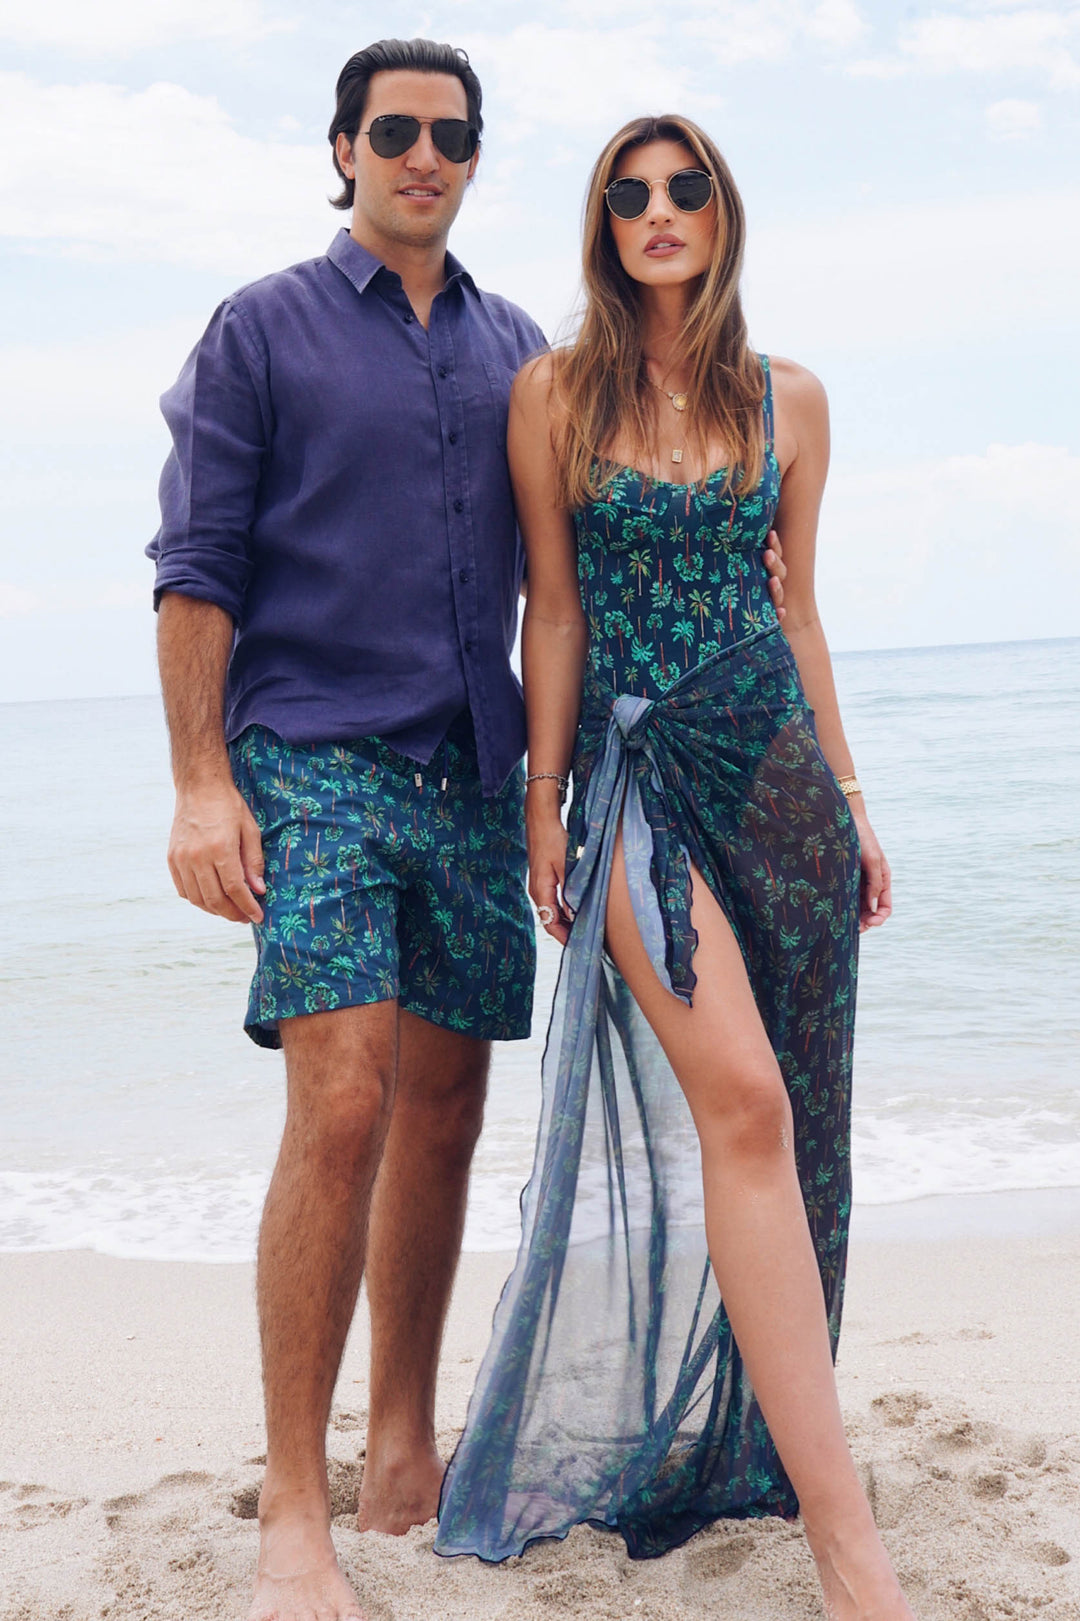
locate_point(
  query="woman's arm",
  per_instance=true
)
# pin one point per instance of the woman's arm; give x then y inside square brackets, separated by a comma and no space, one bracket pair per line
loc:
[553,631]
[802,447]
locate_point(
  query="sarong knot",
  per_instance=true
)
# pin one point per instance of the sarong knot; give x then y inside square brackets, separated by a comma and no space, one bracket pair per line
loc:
[630,714]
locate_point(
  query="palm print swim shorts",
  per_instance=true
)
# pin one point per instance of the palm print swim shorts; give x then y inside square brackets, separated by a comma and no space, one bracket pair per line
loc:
[382,883]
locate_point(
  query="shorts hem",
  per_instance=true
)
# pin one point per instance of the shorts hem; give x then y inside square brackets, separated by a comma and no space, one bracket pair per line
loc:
[481,1029]
[264,1032]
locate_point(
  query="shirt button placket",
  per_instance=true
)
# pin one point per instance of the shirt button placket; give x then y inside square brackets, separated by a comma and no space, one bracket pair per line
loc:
[449,408]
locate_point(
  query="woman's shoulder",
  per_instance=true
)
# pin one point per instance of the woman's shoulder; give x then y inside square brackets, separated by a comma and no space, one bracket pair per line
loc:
[535,389]
[538,374]
[796,388]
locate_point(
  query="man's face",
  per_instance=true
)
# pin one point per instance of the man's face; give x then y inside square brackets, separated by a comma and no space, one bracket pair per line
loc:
[413,199]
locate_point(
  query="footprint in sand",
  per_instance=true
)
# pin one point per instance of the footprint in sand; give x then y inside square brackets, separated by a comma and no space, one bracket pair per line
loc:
[900,1408]
[1048,1553]
[36,1505]
[115,1508]
[173,1549]
[963,1435]
[718,1559]
[991,1485]
[954,1493]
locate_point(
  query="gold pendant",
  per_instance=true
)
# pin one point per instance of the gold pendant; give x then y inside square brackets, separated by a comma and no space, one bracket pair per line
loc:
[676,454]
[679,401]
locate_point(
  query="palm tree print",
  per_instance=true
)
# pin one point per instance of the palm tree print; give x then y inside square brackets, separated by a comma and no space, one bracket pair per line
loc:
[701,605]
[646,529]
[382,889]
[640,566]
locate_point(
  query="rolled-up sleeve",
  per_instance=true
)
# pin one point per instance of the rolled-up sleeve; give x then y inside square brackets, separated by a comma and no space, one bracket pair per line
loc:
[219,415]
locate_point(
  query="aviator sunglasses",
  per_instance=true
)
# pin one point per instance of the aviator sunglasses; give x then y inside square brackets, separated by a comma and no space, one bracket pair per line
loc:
[688,189]
[391,134]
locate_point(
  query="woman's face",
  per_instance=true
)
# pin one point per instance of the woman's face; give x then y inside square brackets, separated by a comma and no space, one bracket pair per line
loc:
[664,246]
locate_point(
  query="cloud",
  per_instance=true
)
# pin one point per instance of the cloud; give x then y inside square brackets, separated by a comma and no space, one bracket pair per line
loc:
[1013,120]
[109,385]
[14,601]
[577,78]
[1032,39]
[988,40]
[839,23]
[940,551]
[160,174]
[889,277]
[120,28]
[744,30]
[617,58]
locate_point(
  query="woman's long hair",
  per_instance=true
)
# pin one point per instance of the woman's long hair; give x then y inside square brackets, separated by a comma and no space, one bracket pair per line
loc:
[602,387]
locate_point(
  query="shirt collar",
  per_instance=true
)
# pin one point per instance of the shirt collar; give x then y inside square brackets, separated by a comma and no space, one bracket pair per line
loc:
[361,267]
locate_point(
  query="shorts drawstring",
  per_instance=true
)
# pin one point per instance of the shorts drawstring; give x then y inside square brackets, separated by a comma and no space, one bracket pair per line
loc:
[418,776]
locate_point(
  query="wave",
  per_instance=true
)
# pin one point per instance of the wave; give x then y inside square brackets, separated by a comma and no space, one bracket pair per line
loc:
[903,1150]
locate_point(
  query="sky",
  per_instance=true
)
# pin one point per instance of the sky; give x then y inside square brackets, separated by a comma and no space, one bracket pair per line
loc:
[911,175]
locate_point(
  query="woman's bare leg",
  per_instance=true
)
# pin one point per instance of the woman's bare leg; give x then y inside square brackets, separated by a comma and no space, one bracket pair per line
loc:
[759,1240]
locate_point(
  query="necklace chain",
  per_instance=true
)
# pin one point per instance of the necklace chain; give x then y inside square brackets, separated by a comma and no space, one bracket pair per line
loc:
[680,401]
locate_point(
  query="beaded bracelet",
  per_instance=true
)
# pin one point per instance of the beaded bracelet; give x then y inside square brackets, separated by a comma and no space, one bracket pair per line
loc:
[551,776]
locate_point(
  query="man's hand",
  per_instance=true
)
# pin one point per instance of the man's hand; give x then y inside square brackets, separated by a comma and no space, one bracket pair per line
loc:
[215,853]
[774,562]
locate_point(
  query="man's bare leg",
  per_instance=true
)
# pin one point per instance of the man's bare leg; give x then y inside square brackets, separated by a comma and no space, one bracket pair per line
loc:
[417,1219]
[340,1068]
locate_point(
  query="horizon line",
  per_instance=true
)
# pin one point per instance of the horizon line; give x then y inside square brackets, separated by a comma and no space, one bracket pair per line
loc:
[845,653]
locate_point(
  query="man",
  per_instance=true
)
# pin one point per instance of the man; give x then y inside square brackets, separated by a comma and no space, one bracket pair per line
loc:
[338,569]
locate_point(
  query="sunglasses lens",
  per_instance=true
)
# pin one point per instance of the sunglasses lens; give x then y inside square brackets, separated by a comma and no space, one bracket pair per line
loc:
[628,199]
[690,190]
[455,139]
[393,134]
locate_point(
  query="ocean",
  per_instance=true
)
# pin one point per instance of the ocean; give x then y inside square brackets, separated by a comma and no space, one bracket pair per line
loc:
[138,1120]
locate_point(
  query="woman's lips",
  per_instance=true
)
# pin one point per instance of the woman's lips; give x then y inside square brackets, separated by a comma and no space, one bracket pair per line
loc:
[662,247]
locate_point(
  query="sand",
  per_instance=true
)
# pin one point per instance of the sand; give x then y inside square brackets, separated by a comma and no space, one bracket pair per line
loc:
[131,1445]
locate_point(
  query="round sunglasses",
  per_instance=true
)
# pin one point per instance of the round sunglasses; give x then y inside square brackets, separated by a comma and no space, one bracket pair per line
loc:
[391,134]
[689,190]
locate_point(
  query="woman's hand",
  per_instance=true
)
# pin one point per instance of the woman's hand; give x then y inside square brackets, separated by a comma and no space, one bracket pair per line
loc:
[546,839]
[875,889]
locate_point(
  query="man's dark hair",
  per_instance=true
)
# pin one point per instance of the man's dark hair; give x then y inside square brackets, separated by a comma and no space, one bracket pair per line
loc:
[393,56]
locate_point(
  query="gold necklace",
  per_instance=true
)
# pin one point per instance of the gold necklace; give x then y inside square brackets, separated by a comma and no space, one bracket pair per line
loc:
[680,401]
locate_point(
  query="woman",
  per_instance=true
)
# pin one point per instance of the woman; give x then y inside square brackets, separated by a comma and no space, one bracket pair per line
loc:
[662,1354]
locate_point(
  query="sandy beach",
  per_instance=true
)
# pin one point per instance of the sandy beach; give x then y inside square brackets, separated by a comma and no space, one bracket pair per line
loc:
[132,1444]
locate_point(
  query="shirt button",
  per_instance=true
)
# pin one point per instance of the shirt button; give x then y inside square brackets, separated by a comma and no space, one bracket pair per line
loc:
[442,371]
[463,576]
[468,647]
[409,318]
[459,506]
[452,438]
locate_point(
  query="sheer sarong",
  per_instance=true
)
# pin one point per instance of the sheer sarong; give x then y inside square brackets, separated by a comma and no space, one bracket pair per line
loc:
[612,1390]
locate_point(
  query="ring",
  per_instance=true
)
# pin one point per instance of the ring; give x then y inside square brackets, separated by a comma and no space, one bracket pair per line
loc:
[546,914]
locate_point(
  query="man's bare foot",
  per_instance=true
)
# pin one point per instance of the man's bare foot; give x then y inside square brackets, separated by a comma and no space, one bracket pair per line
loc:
[298,1577]
[399,1493]
[858,1582]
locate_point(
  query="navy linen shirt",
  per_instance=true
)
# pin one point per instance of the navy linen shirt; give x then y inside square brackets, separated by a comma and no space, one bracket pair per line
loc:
[338,484]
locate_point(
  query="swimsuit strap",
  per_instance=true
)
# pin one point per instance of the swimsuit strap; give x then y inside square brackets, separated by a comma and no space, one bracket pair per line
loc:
[767,402]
